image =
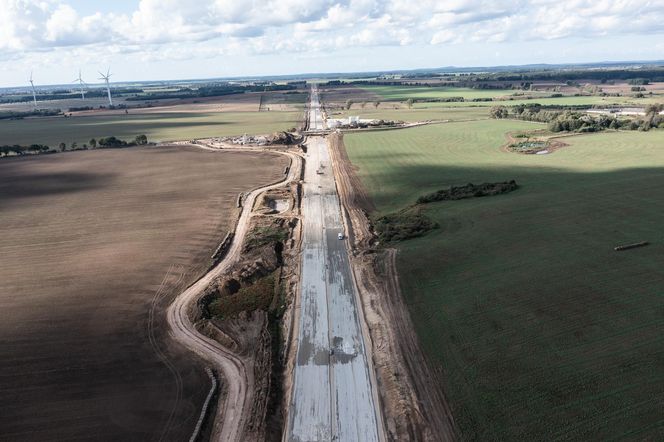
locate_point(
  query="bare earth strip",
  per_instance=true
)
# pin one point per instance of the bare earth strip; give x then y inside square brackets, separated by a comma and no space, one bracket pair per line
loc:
[94,247]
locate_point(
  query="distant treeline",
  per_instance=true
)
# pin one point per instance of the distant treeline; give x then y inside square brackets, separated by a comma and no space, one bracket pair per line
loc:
[22,150]
[519,80]
[637,76]
[103,143]
[211,91]
[560,120]
[16,115]
[66,95]
[460,84]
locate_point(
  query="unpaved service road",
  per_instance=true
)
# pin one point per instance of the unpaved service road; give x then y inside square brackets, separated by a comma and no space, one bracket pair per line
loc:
[332,397]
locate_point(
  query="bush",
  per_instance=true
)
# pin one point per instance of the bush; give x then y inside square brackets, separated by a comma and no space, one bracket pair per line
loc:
[403,225]
[111,142]
[266,235]
[21,150]
[257,296]
[469,191]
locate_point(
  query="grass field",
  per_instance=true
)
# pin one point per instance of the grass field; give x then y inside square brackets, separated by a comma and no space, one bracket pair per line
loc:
[539,329]
[585,100]
[505,97]
[164,126]
[424,92]
[387,112]
[95,245]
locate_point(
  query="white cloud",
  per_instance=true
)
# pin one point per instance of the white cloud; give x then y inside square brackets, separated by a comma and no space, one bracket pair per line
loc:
[27,25]
[184,28]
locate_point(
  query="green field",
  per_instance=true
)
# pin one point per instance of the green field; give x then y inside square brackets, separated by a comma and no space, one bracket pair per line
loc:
[541,331]
[417,113]
[164,126]
[505,97]
[585,100]
[434,92]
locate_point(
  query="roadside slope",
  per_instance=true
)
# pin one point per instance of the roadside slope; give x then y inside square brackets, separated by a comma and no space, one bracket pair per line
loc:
[414,406]
[237,398]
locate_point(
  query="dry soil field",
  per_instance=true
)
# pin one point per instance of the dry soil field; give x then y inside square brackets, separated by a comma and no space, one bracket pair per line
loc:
[94,246]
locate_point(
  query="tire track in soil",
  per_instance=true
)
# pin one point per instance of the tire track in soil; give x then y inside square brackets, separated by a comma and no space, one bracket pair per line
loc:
[160,354]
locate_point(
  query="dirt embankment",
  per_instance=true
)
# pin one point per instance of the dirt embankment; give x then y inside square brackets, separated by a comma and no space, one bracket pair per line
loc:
[413,406]
[245,310]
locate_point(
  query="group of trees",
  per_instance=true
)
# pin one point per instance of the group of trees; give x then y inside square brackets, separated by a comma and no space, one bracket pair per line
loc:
[349,103]
[632,76]
[112,141]
[17,115]
[22,150]
[107,142]
[573,121]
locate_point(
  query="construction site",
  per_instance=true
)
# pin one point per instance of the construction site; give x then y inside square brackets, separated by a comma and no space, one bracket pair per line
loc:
[284,265]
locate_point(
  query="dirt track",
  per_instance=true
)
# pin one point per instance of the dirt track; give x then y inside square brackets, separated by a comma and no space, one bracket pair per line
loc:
[414,407]
[236,401]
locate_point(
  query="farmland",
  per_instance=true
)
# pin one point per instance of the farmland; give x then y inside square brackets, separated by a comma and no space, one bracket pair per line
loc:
[437,92]
[95,245]
[424,98]
[162,125]
[538,328]
[418,113]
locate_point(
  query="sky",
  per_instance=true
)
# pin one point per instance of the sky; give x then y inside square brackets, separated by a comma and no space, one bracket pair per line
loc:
[186,39]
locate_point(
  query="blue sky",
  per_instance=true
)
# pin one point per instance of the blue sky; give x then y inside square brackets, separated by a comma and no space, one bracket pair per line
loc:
[87,7]
[174,39]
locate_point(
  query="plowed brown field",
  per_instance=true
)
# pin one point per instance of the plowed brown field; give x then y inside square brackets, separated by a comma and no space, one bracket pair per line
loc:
[94,246]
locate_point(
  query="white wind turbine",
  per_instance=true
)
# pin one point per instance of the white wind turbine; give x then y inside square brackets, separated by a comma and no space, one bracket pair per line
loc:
[34,93]
[108,87]
[81,83]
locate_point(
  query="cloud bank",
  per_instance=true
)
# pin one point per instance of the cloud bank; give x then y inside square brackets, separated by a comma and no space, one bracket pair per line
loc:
[46,33]
[262,26]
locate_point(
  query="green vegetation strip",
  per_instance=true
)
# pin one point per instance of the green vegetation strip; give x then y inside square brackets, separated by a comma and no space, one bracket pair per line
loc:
[539,329]
[261,236]
[257,296]
[469,191]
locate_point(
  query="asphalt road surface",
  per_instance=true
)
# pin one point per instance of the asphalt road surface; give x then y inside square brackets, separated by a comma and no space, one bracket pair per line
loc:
[332,397]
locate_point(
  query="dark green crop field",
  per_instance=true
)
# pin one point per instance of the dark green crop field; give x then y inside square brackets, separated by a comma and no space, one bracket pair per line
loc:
[538,328]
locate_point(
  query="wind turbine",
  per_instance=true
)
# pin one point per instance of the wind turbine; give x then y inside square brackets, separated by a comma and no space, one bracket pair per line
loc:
[81,83]
[34,93]
[108,87]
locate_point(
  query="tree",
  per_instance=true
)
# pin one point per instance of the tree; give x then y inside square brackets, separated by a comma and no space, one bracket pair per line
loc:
[93,143]
[498,112]
[349,103]
[74,145]
[654,108]
[409,103]
[364,103]
[376,104]
[141,140]
[62,147]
